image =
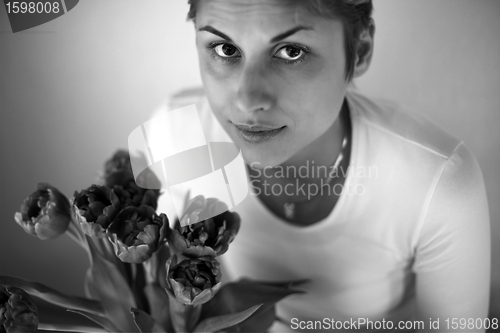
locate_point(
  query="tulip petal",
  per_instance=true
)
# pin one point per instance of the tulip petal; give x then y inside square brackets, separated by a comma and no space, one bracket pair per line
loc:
[91,229]
[149,235]
[203,297]
[134,254]
[43,228]
[18,312]
[45,213]
[27,226]
[211,237]
[135,233]
[189,277]
[199,251]
[178,288]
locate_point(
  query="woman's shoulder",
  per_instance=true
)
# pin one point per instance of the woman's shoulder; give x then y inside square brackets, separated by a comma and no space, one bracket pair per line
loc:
[411,151]
[409,128]
[421,145]
[438,181]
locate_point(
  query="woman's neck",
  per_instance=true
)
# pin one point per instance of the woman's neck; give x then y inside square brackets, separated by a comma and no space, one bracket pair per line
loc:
[313,163]
[297,191]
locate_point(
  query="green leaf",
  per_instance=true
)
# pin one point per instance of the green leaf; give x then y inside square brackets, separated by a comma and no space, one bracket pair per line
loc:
[88,285]
[159,304]
[240,295]
[217,323]
[58,328]
[103,321]
[260,321]
[113,290]
[53,296]
[280,284]
[145,322]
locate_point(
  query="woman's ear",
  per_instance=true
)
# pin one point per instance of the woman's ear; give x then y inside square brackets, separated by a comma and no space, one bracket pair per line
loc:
[364,50]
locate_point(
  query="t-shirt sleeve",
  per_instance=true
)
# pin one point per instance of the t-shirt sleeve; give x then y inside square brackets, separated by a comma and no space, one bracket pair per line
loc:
[452,258]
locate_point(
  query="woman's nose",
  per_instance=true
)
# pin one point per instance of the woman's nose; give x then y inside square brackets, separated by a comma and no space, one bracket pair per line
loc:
[254,90]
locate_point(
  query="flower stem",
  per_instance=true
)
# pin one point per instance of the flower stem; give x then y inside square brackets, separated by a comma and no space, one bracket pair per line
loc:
[184,317]
[76,234]
[53,296]
[138,288]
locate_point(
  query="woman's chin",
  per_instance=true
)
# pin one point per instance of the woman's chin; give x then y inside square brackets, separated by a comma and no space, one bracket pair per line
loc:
[261,160]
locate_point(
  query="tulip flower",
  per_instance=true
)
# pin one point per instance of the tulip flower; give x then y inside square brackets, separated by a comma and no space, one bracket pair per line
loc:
[95,209]
[119,161]
[210,237]
[18,312]
[118,173]
[132,195]
[194,281]
[45,213]
[136,233]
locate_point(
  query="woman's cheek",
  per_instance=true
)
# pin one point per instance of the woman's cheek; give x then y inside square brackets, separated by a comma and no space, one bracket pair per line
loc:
[216,88]
[215,77]
[214,69]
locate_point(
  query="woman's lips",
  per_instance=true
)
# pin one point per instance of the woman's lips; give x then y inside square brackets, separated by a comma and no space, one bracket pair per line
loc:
[257,133]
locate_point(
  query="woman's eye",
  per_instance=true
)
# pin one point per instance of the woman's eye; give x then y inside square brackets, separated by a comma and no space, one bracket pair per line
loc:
[290,53]
[226,50]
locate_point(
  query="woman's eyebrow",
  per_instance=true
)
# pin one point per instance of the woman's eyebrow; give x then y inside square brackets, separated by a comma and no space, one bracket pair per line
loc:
[279,37]
[289,33]
[216,32]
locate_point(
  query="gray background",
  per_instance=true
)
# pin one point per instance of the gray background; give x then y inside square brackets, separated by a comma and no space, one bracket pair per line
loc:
[73,89]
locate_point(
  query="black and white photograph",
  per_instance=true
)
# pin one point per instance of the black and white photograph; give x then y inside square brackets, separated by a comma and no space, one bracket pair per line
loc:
[250,166]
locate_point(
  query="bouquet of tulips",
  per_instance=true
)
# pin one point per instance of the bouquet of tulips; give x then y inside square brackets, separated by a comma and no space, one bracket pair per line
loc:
[145,274]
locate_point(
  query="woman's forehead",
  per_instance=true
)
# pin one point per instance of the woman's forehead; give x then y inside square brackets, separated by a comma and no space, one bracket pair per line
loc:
[263,19]
[279,11]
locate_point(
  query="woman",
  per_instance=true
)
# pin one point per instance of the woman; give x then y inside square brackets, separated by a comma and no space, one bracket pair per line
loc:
[385,213]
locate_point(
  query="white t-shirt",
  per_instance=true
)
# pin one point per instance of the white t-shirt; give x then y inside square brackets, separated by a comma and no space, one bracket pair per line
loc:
[410,230]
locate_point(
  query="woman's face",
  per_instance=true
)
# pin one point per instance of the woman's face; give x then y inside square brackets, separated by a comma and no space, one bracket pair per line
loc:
[274,75]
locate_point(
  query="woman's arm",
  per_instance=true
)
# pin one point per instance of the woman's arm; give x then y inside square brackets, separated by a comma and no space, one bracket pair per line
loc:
[452,263]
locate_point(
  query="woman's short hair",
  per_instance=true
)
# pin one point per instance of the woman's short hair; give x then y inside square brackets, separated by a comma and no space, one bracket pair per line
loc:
[354,14]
